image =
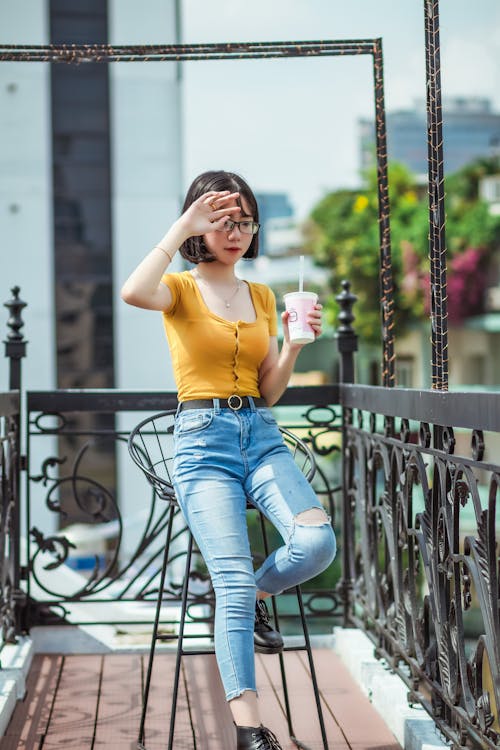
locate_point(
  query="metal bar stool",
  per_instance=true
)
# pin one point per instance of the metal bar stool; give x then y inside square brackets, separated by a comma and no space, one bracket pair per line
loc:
[150,446]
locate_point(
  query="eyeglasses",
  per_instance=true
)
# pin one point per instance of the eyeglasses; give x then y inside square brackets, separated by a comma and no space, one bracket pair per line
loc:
[245,227]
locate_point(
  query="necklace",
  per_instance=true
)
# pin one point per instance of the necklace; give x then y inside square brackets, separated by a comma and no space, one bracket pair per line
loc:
[227,302]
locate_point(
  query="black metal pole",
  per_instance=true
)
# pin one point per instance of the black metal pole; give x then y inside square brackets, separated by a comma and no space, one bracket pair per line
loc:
[15,350]
[15,344]
[386,280]
[347,340]
[347,344]
[437,239]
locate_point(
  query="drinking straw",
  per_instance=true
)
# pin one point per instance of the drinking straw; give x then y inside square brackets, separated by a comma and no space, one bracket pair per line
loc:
[301,273]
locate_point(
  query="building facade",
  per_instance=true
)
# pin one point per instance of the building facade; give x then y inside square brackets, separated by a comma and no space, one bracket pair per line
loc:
[470,129]
[90,179]
[91,176]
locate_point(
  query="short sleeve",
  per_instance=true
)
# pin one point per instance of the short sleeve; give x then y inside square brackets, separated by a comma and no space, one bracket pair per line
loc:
[171,280]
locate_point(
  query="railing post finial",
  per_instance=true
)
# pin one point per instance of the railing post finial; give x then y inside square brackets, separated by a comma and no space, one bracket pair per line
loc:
[347,339]
[15,344]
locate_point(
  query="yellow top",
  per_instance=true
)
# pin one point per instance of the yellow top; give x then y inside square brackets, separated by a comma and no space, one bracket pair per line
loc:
[213,357]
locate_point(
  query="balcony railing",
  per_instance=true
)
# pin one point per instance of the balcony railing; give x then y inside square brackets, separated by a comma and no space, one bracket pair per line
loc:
[409,477]
[421,526]
[78,468]
[9,518]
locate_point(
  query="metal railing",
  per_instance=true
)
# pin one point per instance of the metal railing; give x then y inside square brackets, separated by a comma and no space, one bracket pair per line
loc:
[9,517]
[421,526]
[66,479]
[409,477]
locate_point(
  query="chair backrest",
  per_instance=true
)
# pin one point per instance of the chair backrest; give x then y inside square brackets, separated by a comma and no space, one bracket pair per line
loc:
[302,454]
[151,448]
[150,445]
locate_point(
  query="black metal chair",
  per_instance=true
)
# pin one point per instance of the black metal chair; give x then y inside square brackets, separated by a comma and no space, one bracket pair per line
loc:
[150,446]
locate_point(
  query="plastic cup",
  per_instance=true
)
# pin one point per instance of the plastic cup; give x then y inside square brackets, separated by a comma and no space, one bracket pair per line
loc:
[298,304]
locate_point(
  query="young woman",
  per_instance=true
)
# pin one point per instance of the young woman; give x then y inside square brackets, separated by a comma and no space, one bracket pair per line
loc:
[222,334]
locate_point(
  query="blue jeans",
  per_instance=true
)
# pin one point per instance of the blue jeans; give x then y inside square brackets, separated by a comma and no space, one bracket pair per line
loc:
[222,458]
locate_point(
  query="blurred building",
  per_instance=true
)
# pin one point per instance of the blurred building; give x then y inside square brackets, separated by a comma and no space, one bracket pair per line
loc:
[90,179]
[272,207]
[470,129]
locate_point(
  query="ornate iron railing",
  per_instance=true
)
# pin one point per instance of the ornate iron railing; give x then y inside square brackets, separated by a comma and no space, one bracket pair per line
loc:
[421,493]
[415,511]
[9,516]
[123,572]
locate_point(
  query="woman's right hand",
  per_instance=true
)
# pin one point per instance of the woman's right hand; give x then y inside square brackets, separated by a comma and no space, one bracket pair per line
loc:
[208,212]
[143,287]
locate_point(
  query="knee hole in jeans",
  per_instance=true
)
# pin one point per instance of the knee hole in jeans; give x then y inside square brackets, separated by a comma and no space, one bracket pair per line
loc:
[312,517]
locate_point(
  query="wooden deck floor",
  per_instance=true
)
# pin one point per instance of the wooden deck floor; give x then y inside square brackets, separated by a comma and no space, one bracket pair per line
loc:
[83,702]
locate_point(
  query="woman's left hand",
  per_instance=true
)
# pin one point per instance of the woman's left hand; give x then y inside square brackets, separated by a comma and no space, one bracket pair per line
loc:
[314,318]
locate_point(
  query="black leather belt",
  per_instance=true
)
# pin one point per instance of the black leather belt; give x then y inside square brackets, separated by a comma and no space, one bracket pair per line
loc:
[234,402]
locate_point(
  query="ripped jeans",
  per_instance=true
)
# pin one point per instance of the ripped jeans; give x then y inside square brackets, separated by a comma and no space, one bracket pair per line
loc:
[222,458]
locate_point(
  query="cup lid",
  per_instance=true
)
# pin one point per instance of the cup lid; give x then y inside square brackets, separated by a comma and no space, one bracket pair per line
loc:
[300,294]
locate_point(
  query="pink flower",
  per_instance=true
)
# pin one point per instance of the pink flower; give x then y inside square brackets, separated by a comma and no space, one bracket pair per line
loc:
[467,281]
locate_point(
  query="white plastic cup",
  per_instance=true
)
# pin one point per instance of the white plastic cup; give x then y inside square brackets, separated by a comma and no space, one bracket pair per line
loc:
[298,304]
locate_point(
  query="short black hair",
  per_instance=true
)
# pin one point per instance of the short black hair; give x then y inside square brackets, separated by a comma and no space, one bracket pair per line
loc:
[194,249]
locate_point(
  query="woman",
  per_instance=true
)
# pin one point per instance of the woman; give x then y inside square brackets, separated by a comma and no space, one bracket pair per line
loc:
[222,334]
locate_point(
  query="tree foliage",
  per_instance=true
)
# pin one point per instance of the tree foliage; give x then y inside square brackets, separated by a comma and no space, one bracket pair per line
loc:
[343,235]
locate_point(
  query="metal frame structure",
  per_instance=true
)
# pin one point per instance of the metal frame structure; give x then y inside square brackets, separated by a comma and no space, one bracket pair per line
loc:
[76,54]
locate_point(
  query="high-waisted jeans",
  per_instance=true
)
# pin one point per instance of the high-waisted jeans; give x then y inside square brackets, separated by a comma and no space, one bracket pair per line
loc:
[222,458]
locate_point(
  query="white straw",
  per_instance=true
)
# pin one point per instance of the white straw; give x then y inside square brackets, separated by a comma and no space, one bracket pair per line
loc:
[301,273]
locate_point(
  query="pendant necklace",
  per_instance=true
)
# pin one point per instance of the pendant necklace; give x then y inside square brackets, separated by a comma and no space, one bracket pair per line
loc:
[227,302]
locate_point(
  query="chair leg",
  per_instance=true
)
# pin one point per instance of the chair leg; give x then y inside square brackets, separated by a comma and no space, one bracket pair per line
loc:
[312,669]
[308,649]
[180,642]
[154,635]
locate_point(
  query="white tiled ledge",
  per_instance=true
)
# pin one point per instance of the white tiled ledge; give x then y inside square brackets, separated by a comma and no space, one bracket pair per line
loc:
[411,725]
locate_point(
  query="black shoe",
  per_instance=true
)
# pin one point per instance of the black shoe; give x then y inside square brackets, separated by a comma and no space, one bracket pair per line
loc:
[256,738]
[266,640]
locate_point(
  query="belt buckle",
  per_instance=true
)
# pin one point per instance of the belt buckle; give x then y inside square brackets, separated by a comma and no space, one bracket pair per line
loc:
[238,405]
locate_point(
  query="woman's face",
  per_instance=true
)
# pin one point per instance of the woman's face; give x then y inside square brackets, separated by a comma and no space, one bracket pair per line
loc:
[228,246]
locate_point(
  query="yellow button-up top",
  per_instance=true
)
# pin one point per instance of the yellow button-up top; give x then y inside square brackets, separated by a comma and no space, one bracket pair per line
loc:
[213,357]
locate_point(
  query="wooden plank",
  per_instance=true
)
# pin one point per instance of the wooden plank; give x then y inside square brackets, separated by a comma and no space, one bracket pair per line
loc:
[347,702]
[75,708]
[31,716]
[69,698]
[210,714]
[159,707]
[118,714]
[302,704]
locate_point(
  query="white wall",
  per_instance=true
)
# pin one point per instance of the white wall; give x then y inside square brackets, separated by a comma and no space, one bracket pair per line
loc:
[26,191]
[146,179]
[26,240]
[147,186]
[147,189]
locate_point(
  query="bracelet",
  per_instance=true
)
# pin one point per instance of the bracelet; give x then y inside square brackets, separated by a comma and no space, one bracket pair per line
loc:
[159,247]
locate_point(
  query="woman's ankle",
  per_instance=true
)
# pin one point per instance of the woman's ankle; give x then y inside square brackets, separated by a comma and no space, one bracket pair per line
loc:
[245,709]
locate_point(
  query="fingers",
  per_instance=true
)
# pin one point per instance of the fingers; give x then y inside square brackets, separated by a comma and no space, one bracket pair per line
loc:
[314,318]
[217,202]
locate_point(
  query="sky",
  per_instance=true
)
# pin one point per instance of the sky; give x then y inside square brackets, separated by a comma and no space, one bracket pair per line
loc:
[291,125]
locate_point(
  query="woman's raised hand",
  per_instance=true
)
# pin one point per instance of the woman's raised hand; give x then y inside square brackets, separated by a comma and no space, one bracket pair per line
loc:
[209,212]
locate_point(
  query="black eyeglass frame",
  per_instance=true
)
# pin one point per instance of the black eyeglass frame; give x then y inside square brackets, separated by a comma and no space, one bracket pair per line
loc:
[255,226]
